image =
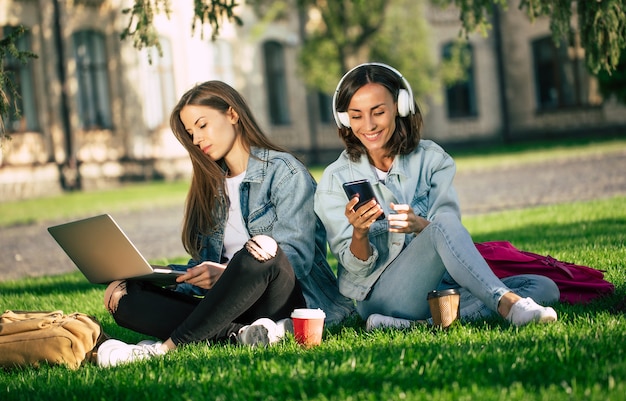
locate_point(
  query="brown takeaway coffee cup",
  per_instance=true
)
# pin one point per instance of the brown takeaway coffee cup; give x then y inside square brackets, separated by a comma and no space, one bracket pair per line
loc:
[308,326]
[444,307]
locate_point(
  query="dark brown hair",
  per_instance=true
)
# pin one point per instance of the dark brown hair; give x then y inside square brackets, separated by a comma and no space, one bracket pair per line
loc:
[207,203]
[408,129]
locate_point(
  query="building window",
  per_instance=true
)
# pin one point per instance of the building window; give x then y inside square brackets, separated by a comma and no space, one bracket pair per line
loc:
[94,110]
[276,79]
[160,96]
[22,114]
[460,93]
[325,103]
[222,61]
[561,78]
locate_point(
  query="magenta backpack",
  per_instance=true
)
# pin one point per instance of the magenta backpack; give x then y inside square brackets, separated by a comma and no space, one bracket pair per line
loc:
[578,284]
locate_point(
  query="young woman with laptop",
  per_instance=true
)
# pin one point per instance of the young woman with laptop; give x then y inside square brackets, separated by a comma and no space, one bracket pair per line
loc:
[257,249]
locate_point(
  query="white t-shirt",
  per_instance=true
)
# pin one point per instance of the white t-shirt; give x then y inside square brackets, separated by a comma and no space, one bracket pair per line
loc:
[381,174]
[235,233]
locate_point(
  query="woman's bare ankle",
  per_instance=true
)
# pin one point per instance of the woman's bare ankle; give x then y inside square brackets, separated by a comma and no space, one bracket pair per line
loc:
[506,302]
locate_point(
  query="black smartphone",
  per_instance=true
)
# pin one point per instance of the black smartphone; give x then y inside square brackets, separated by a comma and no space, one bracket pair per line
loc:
[363,189]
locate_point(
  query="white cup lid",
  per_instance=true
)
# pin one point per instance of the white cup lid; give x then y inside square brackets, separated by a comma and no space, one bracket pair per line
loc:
[308,314]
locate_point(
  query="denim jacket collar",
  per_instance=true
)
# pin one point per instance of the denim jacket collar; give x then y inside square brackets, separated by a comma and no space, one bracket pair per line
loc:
[257,165]
[363,167]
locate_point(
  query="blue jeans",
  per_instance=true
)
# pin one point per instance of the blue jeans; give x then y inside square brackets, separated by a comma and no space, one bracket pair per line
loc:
[443,256]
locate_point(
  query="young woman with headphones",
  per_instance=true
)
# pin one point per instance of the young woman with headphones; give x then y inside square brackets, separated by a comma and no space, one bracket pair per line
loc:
[389,265]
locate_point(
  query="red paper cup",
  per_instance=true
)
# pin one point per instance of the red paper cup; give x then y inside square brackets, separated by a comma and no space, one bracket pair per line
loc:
[308,325]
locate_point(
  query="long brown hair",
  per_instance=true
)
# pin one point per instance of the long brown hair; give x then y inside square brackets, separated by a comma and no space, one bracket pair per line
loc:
[408,129]
[207,203]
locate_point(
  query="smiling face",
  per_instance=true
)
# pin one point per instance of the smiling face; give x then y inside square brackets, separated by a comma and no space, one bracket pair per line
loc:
[211,130]
[372,112]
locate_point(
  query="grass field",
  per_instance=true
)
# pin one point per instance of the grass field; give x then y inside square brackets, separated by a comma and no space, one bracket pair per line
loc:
[581,357]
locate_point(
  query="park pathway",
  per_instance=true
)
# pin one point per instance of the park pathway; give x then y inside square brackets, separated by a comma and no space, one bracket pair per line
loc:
[30,251]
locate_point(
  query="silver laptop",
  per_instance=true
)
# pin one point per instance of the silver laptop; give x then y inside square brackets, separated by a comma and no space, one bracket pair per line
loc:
[103,252]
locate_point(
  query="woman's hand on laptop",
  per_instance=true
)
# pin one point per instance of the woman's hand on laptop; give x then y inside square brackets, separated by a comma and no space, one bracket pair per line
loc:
[204,275]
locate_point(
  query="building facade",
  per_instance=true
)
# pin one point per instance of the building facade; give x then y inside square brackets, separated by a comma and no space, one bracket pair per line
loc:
[95,110]
[520,84]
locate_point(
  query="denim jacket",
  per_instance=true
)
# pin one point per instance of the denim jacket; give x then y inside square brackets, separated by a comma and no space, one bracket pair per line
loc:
[421,179]
[277,200]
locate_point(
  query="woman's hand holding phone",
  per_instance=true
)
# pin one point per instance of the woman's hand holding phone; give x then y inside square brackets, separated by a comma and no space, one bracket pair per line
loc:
[365,215]
[363,191]
[362,209]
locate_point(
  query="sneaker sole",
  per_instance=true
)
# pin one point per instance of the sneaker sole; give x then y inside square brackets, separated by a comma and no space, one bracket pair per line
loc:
[256,335]
[549,317]
[283,327]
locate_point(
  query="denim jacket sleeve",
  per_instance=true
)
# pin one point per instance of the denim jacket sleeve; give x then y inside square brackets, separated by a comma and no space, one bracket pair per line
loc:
[353,275]
[286,211]
[281,206]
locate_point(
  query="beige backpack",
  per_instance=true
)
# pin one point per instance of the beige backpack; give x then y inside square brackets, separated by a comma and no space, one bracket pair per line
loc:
[36,337]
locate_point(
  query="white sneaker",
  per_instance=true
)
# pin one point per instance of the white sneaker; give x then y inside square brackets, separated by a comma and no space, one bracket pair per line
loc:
[115,352]
[527,311]
[146,342]
[283,327]
[377,321]
[262,331]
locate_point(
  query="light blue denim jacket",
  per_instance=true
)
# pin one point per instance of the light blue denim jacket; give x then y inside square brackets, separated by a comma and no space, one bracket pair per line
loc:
[422,179]
[277,200]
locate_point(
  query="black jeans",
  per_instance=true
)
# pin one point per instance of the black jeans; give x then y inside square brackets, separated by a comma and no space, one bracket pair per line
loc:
[247,290]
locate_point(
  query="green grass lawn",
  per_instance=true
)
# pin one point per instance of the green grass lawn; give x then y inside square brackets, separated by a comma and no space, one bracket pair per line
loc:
[580,357]
[86,203]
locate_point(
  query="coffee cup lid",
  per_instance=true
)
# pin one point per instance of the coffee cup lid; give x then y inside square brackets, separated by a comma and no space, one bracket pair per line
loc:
[442,293]
[308,314]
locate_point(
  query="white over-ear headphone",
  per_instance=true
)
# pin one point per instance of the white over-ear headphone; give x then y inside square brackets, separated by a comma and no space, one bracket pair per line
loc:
[406,104]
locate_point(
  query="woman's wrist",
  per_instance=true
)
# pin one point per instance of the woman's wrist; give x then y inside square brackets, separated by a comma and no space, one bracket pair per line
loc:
[422,225]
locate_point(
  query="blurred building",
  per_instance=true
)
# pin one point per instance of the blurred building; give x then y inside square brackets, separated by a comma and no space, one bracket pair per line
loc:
[95,111]
[520,85]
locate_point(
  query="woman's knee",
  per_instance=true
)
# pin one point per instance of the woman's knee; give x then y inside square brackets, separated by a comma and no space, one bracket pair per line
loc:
[446,219]
[540,288]
[262,247]
[112,295]
[548,290]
